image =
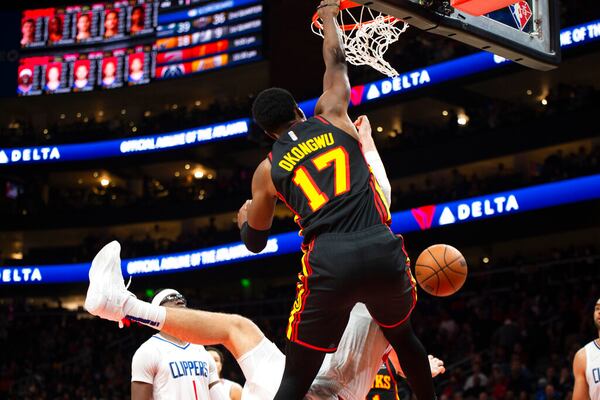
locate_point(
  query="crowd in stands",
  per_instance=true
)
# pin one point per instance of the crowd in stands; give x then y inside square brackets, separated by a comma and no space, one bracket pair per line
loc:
[511,333]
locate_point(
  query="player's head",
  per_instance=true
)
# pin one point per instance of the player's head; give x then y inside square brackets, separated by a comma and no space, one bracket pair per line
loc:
[81,72]
[111,21]
[597,315]
[137,17]
[55,26]
[25,77]
[136,65]
[83,23]
[217,355]
[169,298]
[28,28]
[109,69]
[53,74]
[274,110]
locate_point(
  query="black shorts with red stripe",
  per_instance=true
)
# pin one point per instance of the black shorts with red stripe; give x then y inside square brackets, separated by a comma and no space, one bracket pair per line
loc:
[341,269]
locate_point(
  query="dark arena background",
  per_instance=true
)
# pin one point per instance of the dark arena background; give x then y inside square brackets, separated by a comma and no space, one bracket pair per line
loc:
[141,132]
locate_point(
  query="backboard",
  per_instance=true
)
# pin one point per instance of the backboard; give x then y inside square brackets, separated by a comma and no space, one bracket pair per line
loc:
[527,32]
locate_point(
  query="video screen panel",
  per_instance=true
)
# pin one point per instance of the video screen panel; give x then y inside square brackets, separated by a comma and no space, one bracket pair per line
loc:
[102,22]
[107,45]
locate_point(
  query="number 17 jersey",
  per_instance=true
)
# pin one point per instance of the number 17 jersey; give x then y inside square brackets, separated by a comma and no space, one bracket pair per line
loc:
[320,173]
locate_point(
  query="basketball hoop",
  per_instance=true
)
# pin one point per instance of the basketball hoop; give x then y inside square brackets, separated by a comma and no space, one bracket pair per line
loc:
[367,36]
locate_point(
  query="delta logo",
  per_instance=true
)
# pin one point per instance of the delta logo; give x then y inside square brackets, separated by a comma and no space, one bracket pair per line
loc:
[29,155]
[465,211]
[478,209]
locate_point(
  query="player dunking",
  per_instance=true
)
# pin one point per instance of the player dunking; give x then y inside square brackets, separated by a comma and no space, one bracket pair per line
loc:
[586,366]
[346,374]
[350,255]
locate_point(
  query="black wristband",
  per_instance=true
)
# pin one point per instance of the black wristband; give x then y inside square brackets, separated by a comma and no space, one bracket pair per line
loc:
[254,239]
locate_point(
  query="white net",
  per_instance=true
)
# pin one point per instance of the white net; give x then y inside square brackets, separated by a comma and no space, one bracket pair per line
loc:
[367,40]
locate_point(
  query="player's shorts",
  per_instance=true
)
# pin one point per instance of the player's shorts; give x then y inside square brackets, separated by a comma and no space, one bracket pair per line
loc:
[341,269]
[263,369]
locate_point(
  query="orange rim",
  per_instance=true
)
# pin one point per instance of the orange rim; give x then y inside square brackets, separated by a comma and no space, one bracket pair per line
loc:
[344,5]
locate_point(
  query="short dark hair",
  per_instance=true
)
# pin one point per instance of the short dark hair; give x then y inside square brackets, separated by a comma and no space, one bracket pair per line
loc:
[272,108]
[219,352]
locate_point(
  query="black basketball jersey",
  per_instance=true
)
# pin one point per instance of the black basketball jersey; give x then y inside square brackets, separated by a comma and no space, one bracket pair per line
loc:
[386,385]
[320,173]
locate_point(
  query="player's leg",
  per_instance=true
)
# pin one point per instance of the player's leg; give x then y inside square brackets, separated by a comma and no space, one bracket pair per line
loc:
[318,317]
[301,367]
[390,299]
[108,298]
[413,359]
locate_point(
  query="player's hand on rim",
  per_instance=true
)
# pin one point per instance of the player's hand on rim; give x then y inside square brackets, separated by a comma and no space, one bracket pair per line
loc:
[328,8]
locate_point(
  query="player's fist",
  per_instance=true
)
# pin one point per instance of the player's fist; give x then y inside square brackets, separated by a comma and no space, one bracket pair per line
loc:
[243,214]
[328,8]
[436,365]
[365,137]
[364,126]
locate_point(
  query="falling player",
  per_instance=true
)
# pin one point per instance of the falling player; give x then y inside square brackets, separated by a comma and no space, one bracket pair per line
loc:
[317,168]
[165,367]
[586,366]
[346,374]
[233,389]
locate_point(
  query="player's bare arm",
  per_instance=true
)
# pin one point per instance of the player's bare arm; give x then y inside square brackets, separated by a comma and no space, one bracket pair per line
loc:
[236,391]
[256,216]
[141,391]
[365,137]
[333,103]
[580,390]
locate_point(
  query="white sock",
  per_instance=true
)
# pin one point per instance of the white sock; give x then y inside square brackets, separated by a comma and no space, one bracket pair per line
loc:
[145,313]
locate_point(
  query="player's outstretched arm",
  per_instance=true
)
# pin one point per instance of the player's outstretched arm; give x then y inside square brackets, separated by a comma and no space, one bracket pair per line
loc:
[580,390]
[256,216]
[333,103]
[369,149]
[238,334]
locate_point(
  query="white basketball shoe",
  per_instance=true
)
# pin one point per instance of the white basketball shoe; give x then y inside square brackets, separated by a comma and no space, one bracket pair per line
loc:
[107,293]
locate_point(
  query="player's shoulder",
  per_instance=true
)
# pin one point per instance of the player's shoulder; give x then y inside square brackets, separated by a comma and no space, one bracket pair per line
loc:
[579,361]
[150,345]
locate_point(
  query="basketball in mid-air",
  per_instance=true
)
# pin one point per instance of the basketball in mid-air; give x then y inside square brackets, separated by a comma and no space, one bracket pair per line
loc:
[441,270]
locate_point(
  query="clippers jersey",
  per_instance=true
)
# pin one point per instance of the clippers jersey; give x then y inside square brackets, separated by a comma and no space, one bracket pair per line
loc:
[592,369]
[320,173]
[174,371]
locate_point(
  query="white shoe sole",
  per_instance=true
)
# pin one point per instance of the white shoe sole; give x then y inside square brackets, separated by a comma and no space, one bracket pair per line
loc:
[100,276]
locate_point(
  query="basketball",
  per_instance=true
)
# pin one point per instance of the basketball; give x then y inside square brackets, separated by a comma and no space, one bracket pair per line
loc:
[441,270]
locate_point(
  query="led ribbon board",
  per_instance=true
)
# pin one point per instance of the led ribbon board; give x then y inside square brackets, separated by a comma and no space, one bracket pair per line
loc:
[121,147]
[418,219]
[424,77]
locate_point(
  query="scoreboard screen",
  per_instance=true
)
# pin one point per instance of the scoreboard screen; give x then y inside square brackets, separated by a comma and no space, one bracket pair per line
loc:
[109,45]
